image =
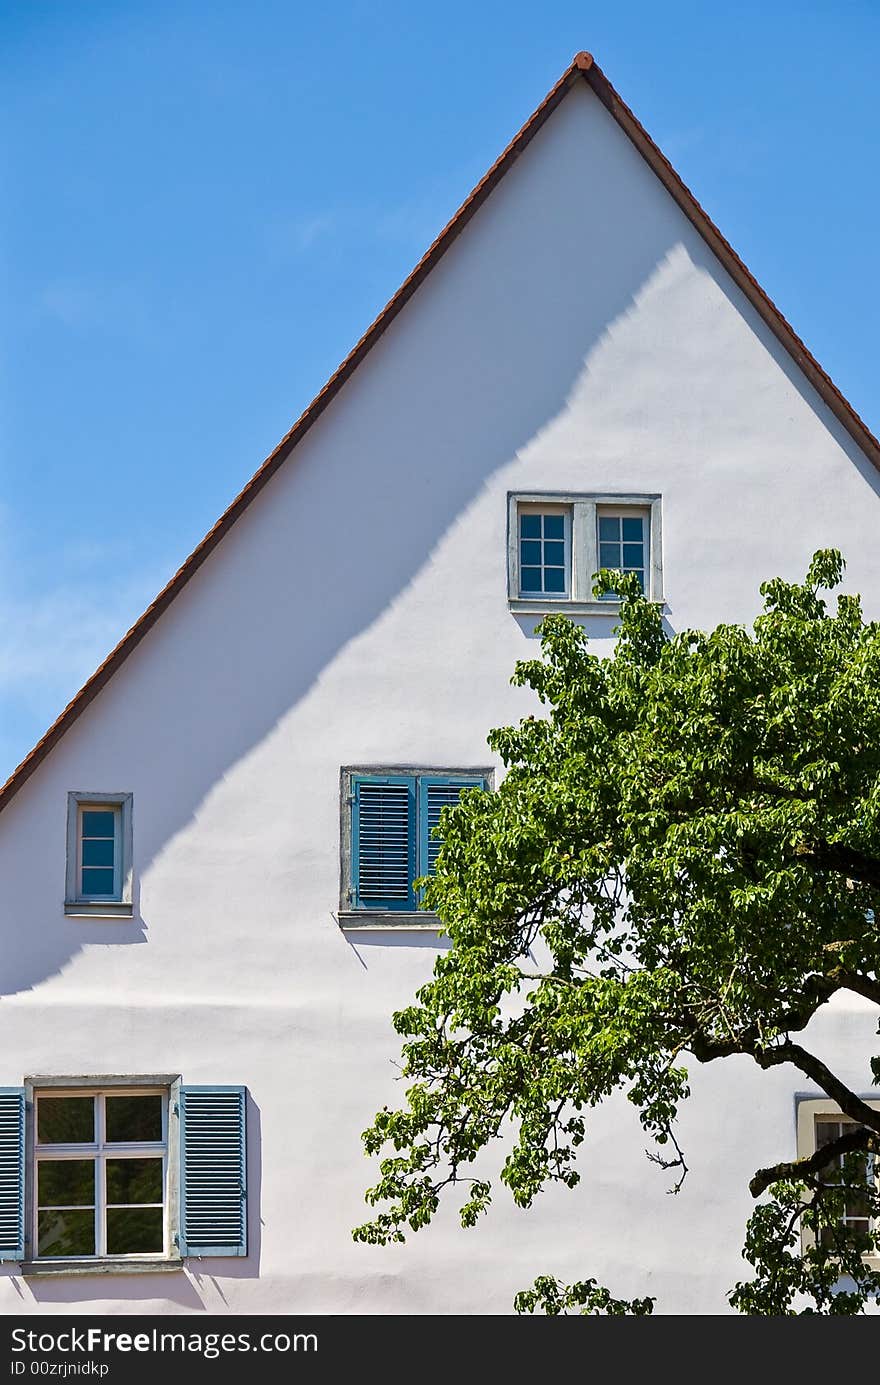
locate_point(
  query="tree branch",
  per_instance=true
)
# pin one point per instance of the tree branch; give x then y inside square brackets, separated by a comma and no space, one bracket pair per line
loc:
[812,1163]
[856,865]
[808,1063]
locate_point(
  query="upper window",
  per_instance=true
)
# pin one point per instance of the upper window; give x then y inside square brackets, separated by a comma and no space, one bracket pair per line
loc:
[388,823]
[623,542]
[545,550]
[100,1173]
[558,542]
[98,854]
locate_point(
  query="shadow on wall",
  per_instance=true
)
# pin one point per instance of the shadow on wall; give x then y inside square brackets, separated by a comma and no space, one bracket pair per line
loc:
[200,1281]
[484,359]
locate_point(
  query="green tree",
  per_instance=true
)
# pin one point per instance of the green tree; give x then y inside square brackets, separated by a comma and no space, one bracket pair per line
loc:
[690,836]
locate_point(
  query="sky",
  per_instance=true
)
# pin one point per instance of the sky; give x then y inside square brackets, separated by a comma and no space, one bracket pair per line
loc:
[206,203]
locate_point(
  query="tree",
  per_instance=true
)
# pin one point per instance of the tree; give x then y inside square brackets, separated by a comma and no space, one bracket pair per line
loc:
[690,837]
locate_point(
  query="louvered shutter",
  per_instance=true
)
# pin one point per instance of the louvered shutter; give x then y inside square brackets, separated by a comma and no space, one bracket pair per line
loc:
[435,794]
[213,1179]
[383,842]
[11,1173]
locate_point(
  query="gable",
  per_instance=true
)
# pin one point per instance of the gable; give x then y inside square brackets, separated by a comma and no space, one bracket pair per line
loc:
[583,80]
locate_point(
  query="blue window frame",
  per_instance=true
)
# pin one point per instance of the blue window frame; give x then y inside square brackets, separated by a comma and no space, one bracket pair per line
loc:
[544,547]
[392,844]
[623,544]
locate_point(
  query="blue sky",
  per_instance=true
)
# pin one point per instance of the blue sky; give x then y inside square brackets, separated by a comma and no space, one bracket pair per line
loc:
[205,204]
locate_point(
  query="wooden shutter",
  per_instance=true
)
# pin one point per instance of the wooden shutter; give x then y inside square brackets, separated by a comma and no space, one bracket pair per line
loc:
[12,1173]
[383,854]
[436,793]
[213,1171]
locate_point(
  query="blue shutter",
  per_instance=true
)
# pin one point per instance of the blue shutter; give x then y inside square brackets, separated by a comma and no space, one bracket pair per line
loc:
[213,1171]
[435,794]
[11,1173]
[383,854]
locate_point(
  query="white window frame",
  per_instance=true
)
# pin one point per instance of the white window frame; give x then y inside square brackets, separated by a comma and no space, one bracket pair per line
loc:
[808,1108]
[119,904]
[99,1151]
[547,509]
[627,512]
[583,549]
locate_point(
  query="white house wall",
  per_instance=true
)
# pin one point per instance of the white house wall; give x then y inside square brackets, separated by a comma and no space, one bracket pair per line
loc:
[577,336]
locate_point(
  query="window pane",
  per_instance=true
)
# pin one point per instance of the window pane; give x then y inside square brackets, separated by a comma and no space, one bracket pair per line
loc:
[97,881]
[632,530]
[857,1204]
[608,528]
[98,824]
[66,1233]
[554,554]
[530,526]
[66,1183]
[530,553]
[609,555]
[66,1120]
[554,579]
[97,852]
[134,1180]
[633,555]
[826,1131]
[554,526]
[530,579]
[133,1118]
[132,1232]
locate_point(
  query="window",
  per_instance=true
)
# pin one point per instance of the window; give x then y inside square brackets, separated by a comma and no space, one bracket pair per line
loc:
[121,1172]
[544,550]
[623,542]
[856,1217]
[558,542]
[388,819]
[99,842]
[100,1173]
[818,1123]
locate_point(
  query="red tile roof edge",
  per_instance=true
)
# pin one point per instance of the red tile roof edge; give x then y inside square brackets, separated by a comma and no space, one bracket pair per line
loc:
[582,66]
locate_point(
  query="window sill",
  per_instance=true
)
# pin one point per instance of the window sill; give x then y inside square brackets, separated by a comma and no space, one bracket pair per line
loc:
[364,921]
[106,909]
[522,607]
[110,1265]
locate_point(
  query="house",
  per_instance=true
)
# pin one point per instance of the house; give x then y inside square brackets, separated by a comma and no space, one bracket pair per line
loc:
[207,914]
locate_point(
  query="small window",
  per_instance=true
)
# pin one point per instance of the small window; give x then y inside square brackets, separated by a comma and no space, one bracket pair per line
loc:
[98,854]
[623,542]
[388,823]
[544,551]
[100,1173]
[557,543]
[819,1121]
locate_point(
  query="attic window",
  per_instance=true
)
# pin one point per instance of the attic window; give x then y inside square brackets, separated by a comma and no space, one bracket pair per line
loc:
[544,551]
[557,541]
[98,854]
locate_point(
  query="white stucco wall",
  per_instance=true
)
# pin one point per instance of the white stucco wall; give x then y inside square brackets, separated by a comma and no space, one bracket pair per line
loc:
[578,335]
